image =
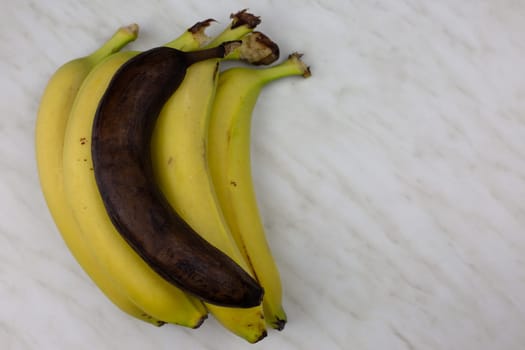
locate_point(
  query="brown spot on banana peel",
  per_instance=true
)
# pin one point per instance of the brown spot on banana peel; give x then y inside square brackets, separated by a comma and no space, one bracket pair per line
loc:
[122,161]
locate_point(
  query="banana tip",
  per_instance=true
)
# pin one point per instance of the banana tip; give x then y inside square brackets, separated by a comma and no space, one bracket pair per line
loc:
[200,321]
[279,324]
[261,337]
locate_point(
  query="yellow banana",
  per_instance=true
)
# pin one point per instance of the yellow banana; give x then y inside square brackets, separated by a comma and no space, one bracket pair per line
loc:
[144,287]
[179,146]
[51,123]
[229,162]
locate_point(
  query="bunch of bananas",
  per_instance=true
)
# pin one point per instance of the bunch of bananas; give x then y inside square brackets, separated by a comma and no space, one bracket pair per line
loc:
[144,162]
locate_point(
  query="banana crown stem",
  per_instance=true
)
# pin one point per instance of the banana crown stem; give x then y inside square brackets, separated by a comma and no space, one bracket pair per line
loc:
[120,38]
[229,38]
[195,36]
[255,47]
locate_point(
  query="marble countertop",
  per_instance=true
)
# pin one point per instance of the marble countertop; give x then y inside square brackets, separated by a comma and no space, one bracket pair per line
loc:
[392,182]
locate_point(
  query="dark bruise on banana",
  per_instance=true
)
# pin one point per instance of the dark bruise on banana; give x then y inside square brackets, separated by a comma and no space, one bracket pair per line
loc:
[121,159]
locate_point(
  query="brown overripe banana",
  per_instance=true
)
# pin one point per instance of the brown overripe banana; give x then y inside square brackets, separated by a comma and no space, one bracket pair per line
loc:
[121,156]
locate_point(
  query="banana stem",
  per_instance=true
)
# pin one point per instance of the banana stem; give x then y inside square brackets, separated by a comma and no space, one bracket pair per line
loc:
[242,23]
[182,41]
[192,38]
[291,66]
[121,38]
[230,34]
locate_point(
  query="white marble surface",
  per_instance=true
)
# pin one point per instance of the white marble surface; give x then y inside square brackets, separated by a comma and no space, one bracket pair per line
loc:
[392,182]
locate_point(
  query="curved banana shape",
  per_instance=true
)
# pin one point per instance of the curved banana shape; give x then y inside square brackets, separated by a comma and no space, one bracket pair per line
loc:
[51,123]
[144,287]
[229,162]
[179,147]
[120,149]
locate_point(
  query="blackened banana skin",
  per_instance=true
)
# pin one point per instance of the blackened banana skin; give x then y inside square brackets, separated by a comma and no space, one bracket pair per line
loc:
[120,149]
